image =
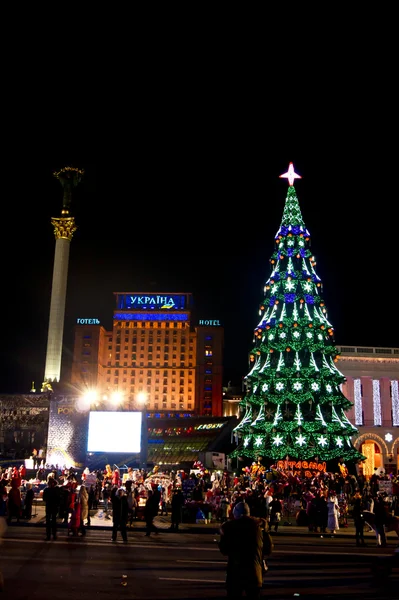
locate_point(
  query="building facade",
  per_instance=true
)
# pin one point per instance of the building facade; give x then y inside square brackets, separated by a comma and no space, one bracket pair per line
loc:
[372,376]
[154,350]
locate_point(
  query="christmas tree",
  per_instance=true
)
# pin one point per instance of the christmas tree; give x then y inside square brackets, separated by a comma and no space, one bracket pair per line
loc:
[293,408]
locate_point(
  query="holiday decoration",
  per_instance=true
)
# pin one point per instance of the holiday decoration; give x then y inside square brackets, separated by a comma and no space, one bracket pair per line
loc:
[293,408]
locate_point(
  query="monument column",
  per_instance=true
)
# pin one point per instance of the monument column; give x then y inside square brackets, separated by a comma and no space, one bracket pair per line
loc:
[64,228]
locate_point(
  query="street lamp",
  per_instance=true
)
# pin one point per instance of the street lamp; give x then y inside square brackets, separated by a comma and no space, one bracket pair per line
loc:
[142,401]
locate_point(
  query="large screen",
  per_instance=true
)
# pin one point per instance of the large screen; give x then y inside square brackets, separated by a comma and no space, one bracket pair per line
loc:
[114,432]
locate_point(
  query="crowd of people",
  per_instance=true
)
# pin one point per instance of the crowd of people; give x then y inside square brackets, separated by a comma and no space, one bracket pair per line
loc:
[322,503]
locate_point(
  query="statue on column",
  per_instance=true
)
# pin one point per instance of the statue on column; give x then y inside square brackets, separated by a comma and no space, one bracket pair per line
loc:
[69,177]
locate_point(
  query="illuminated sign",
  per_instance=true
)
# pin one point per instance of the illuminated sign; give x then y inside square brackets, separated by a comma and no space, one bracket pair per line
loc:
[87,321]
[210,426]
[66,410]
[162,302]
[215,323]
[150,317]
[304,467]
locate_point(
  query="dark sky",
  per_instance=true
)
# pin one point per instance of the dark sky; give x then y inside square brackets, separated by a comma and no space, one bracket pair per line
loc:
[198,221]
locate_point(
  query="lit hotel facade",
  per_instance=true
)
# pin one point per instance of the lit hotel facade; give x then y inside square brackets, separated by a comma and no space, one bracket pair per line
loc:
[154,350]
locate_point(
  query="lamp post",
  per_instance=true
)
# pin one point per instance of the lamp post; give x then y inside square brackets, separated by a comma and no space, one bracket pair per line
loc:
[142,401]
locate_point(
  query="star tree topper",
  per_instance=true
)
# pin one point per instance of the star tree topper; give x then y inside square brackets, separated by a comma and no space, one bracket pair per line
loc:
[290,174]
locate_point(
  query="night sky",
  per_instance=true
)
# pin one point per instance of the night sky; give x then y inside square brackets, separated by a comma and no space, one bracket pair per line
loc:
[198,216]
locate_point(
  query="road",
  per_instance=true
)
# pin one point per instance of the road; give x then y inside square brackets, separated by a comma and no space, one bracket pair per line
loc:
[182,566]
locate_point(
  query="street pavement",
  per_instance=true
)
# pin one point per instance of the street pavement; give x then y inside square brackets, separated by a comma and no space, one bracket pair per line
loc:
[286,526]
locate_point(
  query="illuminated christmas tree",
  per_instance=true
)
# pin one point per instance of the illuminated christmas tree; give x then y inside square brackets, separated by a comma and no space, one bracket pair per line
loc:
[293,408]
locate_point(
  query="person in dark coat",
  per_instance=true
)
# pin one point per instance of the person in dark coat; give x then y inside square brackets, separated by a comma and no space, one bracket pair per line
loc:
[29,497]
[51,498]
[120,511]
[177,505]
[380,519]
[150,511]
[276,509]
[14,504]
[241,539]
[358,518]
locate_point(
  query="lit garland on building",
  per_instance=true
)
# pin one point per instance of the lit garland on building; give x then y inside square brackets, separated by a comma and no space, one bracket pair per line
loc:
[377,402]
[395,403]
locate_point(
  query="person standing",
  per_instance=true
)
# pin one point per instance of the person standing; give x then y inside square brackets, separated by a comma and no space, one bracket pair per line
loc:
[106,492]
[84,508]
[14,504]
[29,497]
[119,513]
[51,498]
[333,512]
[380,519]
[131,502]
[150,512]
[241,540]
[176,505]
[322,512]
[358,519]
[276,509]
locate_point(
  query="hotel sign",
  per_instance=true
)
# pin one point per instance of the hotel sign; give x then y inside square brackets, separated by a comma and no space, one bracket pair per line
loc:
[163,302]
[87,321]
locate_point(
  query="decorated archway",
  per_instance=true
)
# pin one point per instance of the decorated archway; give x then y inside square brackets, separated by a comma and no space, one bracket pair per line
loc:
[375,449]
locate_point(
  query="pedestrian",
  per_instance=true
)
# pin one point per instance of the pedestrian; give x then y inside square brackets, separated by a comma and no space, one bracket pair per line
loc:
[75,520]
[322,512]
[276,509]
[358,518]
[333,512]
[150,512]
[14,504]
[51,498]
[119,513]
[106,492]
[131,501]
[380,519]
[164,501]
[176,506]
[90,503]
[84,508]
[29,497]
[241,540]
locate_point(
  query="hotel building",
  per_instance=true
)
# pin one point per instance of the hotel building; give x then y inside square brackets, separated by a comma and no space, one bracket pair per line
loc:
[154,350]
